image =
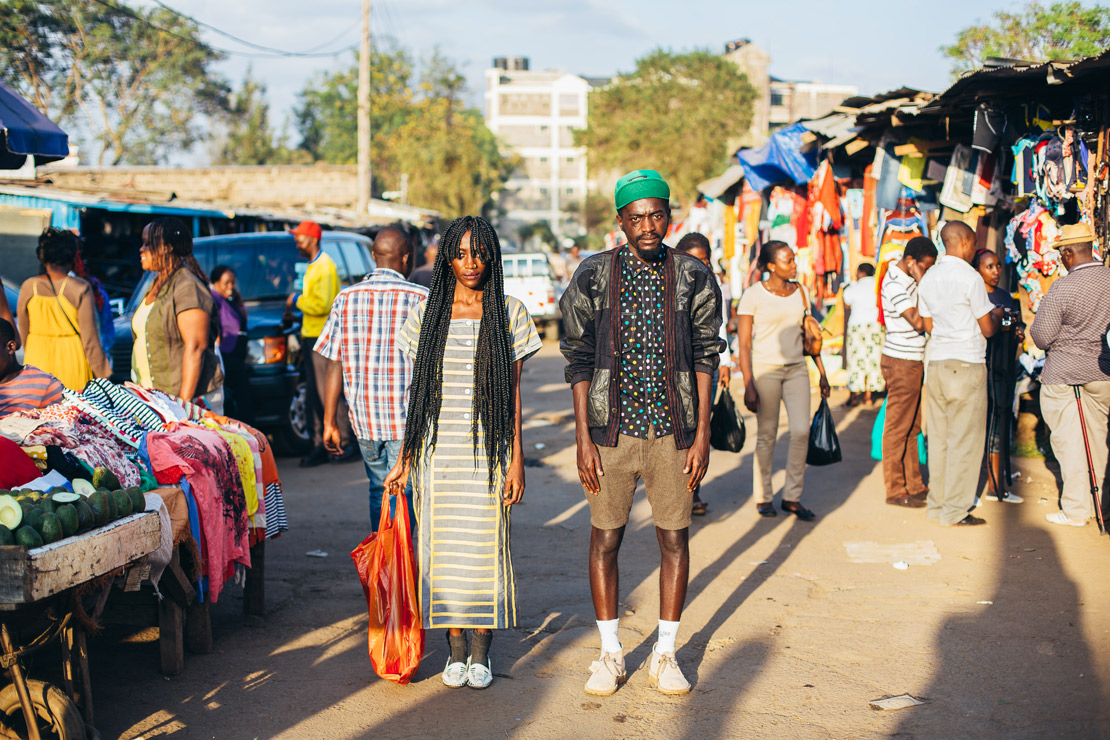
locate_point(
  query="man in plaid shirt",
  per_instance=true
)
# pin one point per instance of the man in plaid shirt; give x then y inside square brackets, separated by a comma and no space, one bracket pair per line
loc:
[359,339]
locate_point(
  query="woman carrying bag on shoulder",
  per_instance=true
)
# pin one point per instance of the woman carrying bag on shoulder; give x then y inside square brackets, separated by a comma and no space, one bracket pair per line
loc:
[772,360]
[57,316]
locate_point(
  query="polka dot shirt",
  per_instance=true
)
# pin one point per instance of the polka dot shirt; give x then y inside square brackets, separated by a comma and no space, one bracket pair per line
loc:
[643,390]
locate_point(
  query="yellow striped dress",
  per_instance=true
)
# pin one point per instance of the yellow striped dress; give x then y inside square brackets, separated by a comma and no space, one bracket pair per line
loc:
[466,569]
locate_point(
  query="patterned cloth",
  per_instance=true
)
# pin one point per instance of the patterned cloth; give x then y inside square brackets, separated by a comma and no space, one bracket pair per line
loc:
[466,569]
[361,333]
[1071,325]
[643,390]
[865,351]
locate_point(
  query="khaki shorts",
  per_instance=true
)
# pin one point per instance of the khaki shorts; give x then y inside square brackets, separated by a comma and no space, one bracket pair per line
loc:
[659,465]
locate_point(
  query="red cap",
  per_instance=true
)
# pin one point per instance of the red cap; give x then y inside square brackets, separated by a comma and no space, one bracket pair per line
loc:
[309,228]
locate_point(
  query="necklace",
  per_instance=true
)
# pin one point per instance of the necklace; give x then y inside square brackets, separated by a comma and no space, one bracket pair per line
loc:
[781,293]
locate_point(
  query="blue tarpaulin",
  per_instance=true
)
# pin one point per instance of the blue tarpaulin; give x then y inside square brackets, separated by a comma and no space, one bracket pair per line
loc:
[24,131]
[779,159]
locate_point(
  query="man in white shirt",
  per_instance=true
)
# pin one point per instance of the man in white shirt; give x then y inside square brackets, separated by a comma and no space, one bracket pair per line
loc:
[958,318]
[903,368]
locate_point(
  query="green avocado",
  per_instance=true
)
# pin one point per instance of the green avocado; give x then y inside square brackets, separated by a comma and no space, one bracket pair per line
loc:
[113,506]
[6,536]
[33,517]
[27,537]
[123,503]
[138,501]
[86,519]
[104,477]
[47,505]
[51,529]
[67,515]
[98,502]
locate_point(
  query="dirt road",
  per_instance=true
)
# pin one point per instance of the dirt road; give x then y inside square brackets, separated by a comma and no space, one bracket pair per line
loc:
[1005,636]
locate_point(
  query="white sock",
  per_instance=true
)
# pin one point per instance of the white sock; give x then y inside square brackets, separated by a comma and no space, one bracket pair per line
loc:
[610,642]
[668,631]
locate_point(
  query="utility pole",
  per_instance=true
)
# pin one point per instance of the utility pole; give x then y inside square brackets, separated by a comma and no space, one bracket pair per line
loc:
[364,114]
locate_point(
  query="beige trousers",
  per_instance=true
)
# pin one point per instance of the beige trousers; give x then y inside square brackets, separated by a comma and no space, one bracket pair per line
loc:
[1060,411]
[956,404]
[788,385]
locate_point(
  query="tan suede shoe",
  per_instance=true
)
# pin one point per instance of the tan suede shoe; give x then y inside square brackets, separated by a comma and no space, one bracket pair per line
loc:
[608,674]
[665,676]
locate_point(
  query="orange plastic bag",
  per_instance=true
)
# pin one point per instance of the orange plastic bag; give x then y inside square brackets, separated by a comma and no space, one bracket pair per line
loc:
[387,570]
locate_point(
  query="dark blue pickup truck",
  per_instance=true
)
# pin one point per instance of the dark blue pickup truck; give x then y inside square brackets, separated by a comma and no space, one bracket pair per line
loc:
[267,268]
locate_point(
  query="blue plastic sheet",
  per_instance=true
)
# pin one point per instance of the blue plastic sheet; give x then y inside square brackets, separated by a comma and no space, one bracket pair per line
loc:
[779,159]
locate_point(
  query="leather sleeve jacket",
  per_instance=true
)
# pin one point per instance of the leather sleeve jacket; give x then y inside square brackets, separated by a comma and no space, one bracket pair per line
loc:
[591,310]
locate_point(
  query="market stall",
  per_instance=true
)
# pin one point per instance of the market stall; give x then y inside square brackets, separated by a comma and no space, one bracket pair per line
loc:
[124,490]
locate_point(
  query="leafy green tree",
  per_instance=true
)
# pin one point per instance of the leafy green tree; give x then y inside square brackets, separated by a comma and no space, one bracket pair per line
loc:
[135,81]
[249,138]
[420,128]
[1036,33]
[675,113]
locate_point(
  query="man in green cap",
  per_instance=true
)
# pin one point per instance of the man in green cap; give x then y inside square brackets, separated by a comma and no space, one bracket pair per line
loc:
[642,341]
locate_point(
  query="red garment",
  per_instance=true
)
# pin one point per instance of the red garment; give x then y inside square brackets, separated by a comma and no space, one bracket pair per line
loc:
[867,242]
[801,216]
[205,460]
[16,466]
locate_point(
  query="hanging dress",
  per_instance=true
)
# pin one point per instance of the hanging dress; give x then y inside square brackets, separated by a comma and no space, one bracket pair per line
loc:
[466,569]
[53,342]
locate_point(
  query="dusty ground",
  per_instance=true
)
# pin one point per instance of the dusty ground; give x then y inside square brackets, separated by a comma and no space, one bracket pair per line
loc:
[1005,636]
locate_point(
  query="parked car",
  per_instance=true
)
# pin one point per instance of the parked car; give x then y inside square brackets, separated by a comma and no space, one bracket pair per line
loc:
[528,277]
[267,268]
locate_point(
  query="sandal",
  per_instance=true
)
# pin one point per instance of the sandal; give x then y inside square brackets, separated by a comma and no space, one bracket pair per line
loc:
[699,508]
[766,509]
[798,510]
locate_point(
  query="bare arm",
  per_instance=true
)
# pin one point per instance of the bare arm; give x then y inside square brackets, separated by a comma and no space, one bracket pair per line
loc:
[6,314]
[926,323]
[589,461]
[514,480]
[917,321]
[333,386]
[744,330]
[990,322]
[697,457]
[21,309]
[90,333]
[193,325]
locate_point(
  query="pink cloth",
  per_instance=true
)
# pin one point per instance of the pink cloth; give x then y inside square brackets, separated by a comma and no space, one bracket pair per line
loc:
[207,463]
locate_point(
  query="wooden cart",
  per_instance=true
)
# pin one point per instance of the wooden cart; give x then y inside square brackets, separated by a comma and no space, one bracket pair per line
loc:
[35,584]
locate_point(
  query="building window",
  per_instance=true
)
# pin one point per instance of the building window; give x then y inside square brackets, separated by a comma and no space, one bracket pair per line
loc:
[543,128]
[543,191]
[543,160]
[570,191]
[777,98]
[570,160]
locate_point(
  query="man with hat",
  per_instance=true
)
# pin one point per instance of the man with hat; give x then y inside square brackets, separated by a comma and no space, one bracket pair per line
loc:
[318,291]
[642,342]
[1071,326]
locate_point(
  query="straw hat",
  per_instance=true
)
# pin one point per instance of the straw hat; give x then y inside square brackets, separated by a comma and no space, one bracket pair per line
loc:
[1075,234]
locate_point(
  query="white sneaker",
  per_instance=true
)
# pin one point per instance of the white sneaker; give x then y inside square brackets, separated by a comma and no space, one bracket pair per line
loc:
[608,674]
[479,676]
[454,674]
[1059,517]
[1006,496]
[665,676]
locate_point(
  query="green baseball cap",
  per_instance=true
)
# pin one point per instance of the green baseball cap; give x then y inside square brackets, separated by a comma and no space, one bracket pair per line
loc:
[640,184]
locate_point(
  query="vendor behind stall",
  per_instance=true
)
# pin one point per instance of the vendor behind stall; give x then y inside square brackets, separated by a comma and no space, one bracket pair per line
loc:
[22,387]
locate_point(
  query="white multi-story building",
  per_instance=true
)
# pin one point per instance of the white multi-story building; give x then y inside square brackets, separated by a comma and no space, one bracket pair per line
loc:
[533,114]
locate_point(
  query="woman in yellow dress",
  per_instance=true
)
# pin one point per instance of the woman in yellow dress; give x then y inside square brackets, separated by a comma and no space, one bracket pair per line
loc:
[57,316]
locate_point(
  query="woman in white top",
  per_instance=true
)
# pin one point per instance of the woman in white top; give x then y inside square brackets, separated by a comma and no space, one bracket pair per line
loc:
[773,364]
[863,337]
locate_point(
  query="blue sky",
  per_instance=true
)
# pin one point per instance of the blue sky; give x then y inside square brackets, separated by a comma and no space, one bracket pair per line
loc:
[874,45]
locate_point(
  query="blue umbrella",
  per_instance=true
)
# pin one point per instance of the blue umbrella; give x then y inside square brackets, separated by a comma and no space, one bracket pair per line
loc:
[24,131]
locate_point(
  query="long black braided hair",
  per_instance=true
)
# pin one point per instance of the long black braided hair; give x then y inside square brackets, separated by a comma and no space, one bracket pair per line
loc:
[493,404]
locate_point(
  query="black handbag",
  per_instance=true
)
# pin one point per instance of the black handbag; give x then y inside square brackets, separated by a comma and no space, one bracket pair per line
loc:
[824,446]
[726,426]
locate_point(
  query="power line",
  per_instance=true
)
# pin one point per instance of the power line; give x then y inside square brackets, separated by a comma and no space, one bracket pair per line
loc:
[280,52]
[254,55]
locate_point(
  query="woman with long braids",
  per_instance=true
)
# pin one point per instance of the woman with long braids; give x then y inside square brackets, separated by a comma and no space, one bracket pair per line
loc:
[175,325]
[463,444]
